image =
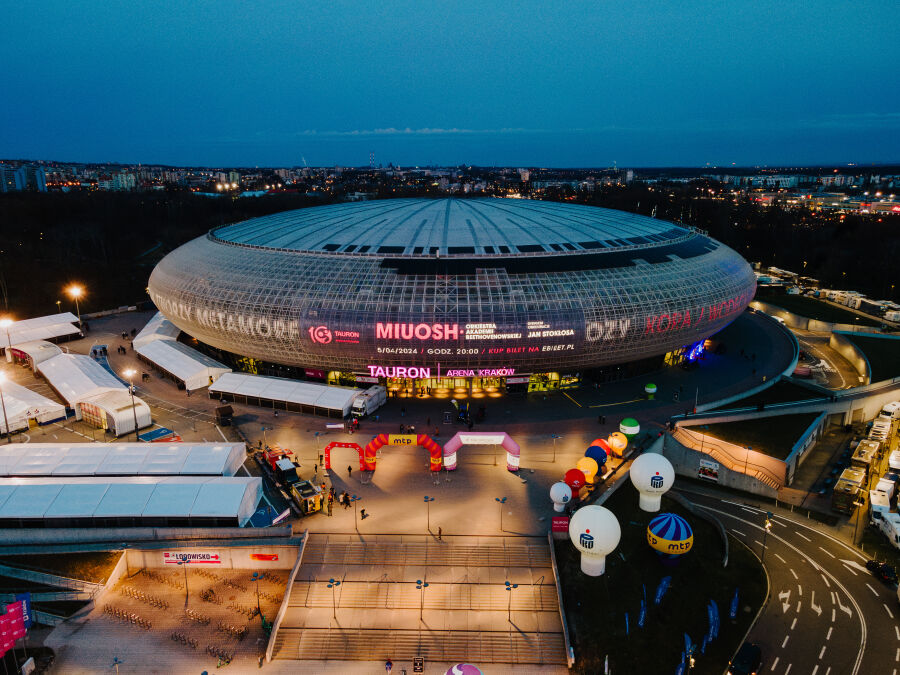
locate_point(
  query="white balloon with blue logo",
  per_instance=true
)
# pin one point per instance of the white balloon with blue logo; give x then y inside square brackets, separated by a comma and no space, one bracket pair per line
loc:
[595,532]
[652,475]
[560,495]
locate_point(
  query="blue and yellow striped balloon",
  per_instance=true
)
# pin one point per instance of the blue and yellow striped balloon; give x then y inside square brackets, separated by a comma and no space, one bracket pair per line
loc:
[670,533]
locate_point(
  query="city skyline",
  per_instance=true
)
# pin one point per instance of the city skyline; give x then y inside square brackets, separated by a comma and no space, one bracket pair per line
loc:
[228,85]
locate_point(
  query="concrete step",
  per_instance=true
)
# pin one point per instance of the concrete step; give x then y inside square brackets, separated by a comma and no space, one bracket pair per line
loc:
[378,644]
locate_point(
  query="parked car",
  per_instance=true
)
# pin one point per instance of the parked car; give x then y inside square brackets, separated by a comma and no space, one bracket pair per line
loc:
[747,661]
[885,573]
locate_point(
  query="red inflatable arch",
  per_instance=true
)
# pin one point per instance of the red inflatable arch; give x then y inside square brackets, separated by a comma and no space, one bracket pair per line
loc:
[336,444]
[434,450]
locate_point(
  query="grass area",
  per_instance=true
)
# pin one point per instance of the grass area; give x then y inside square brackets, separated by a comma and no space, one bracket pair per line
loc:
[596,606]
[773,436]
[812,308]
[93,566]
[883,354]
[782,391]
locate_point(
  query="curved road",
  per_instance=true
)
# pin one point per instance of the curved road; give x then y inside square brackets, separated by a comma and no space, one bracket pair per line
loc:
[826,614]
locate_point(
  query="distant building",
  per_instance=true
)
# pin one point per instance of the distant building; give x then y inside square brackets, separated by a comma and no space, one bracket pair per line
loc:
[123,180]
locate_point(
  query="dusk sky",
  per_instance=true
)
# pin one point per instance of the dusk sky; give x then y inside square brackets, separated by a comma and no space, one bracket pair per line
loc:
[527,84]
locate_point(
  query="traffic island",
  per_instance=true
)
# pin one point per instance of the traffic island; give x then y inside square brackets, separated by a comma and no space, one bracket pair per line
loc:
[607,625]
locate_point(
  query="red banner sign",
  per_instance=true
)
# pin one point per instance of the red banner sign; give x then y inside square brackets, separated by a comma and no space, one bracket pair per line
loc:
[560,524]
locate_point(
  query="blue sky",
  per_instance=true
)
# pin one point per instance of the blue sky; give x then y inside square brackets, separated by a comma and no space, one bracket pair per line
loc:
[518,83]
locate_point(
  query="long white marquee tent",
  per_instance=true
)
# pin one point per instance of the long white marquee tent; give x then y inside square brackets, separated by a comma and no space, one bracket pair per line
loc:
[35,352]
[94,393]
[21,405]
[41,328]
[121,459]
[183,364]
[158,328]
[283,394]
[118,502]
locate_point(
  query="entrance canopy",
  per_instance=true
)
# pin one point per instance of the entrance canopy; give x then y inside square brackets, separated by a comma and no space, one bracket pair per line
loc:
[482,438]
[35,352]
[158,328]
[185,365]
[284,394]
[41,328]
[22,405]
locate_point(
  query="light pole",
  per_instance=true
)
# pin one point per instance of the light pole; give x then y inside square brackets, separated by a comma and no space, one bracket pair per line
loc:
[130,373]
[421,586]
[509,588]
[747,458]
[5,323]
[554,437]
[256,578]
[3,403]
[59,306]
[183,563]
[353,500]
[332,584]
[115,664]
[75,292]
[428,501]
[765,534]
[501,501]
[859,504]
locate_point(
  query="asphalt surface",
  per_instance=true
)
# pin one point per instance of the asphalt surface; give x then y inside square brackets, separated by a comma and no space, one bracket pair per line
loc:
[826,614]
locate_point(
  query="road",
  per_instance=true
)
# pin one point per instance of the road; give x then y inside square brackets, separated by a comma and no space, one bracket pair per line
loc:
[826,614]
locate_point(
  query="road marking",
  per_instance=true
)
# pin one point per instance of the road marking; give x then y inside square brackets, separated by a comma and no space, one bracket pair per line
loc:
[832,597]
[873,590]
[774,663]
[780,558]
[897,631]
[739,532]
[788,637]
[897,657]
[794,573]
[757,541]
[777,522]
[821,652]
[816,668]
[785,597]
[888,610]
[749,510]
[845,609]
[833,614]
[793,623]
[853,565]
[825,580]
[830,628]
[803,536]
[800,590]
[827,552]
[799,605]
[812,603]
[788,669]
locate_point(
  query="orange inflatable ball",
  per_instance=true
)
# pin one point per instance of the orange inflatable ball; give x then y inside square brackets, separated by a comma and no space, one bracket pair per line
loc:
[588,467]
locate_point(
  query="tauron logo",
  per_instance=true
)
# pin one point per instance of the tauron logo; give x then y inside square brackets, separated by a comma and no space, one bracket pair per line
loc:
[320,334]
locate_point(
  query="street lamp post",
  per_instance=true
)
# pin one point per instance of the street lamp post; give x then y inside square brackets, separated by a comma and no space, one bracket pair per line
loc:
[509,588]
[501,501]
[183,563]
[353,500]
[747,458]
[130,373]
[765,534]
[554,437]
[332,584]
[75,292]
[428,501]
[59,306]
[116,663]
[421,586]
[256,578]
[5,323]
[3,403]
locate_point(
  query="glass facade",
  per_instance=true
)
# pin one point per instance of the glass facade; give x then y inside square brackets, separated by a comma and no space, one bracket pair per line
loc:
[406,316]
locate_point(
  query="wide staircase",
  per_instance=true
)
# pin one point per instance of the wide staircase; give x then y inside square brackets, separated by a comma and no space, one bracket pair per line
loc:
[464,613]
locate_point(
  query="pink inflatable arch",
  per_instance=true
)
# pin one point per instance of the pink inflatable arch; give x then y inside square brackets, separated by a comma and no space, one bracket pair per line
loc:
[482,438]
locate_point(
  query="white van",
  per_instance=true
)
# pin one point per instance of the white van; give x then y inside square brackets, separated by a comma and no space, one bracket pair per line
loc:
[891,411]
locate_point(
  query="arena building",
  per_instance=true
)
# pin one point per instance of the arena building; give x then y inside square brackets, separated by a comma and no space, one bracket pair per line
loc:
[428,296]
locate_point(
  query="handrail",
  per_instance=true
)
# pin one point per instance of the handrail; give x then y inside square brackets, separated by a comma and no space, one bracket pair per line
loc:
[570,653]
[723,455]
[270,648]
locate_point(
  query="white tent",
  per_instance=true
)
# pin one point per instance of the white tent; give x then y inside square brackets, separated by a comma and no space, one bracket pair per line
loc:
[40,328]
[95,394]
[35,352]
[129,501]
[22,405]
[158,328]
[293,395]
[121,459]
[184,364]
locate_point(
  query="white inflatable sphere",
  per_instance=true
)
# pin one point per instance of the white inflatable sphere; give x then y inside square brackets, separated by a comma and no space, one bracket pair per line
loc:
[595,532]
[560,495]
[652,475]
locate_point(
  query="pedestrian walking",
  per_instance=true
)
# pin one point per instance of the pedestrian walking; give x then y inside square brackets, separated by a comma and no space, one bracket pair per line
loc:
[341,499]
[349,472]
[330,505]
[440,534]
[362,514]
[388,665]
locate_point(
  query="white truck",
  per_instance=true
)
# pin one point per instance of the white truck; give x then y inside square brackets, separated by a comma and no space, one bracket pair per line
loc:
[881,516]
[891,411]
[369,401]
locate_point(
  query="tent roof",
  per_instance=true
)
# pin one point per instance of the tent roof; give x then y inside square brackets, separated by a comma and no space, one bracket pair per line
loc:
[77,377]
[42,328]
[180,360]
[281,389]
[158,328]
[39,350]
[20,400]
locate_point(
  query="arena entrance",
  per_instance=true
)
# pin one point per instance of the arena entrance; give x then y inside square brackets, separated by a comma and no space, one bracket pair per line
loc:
[502,439]
[434,450]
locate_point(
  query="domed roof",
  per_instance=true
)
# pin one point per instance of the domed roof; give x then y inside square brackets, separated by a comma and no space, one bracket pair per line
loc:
[452,227]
